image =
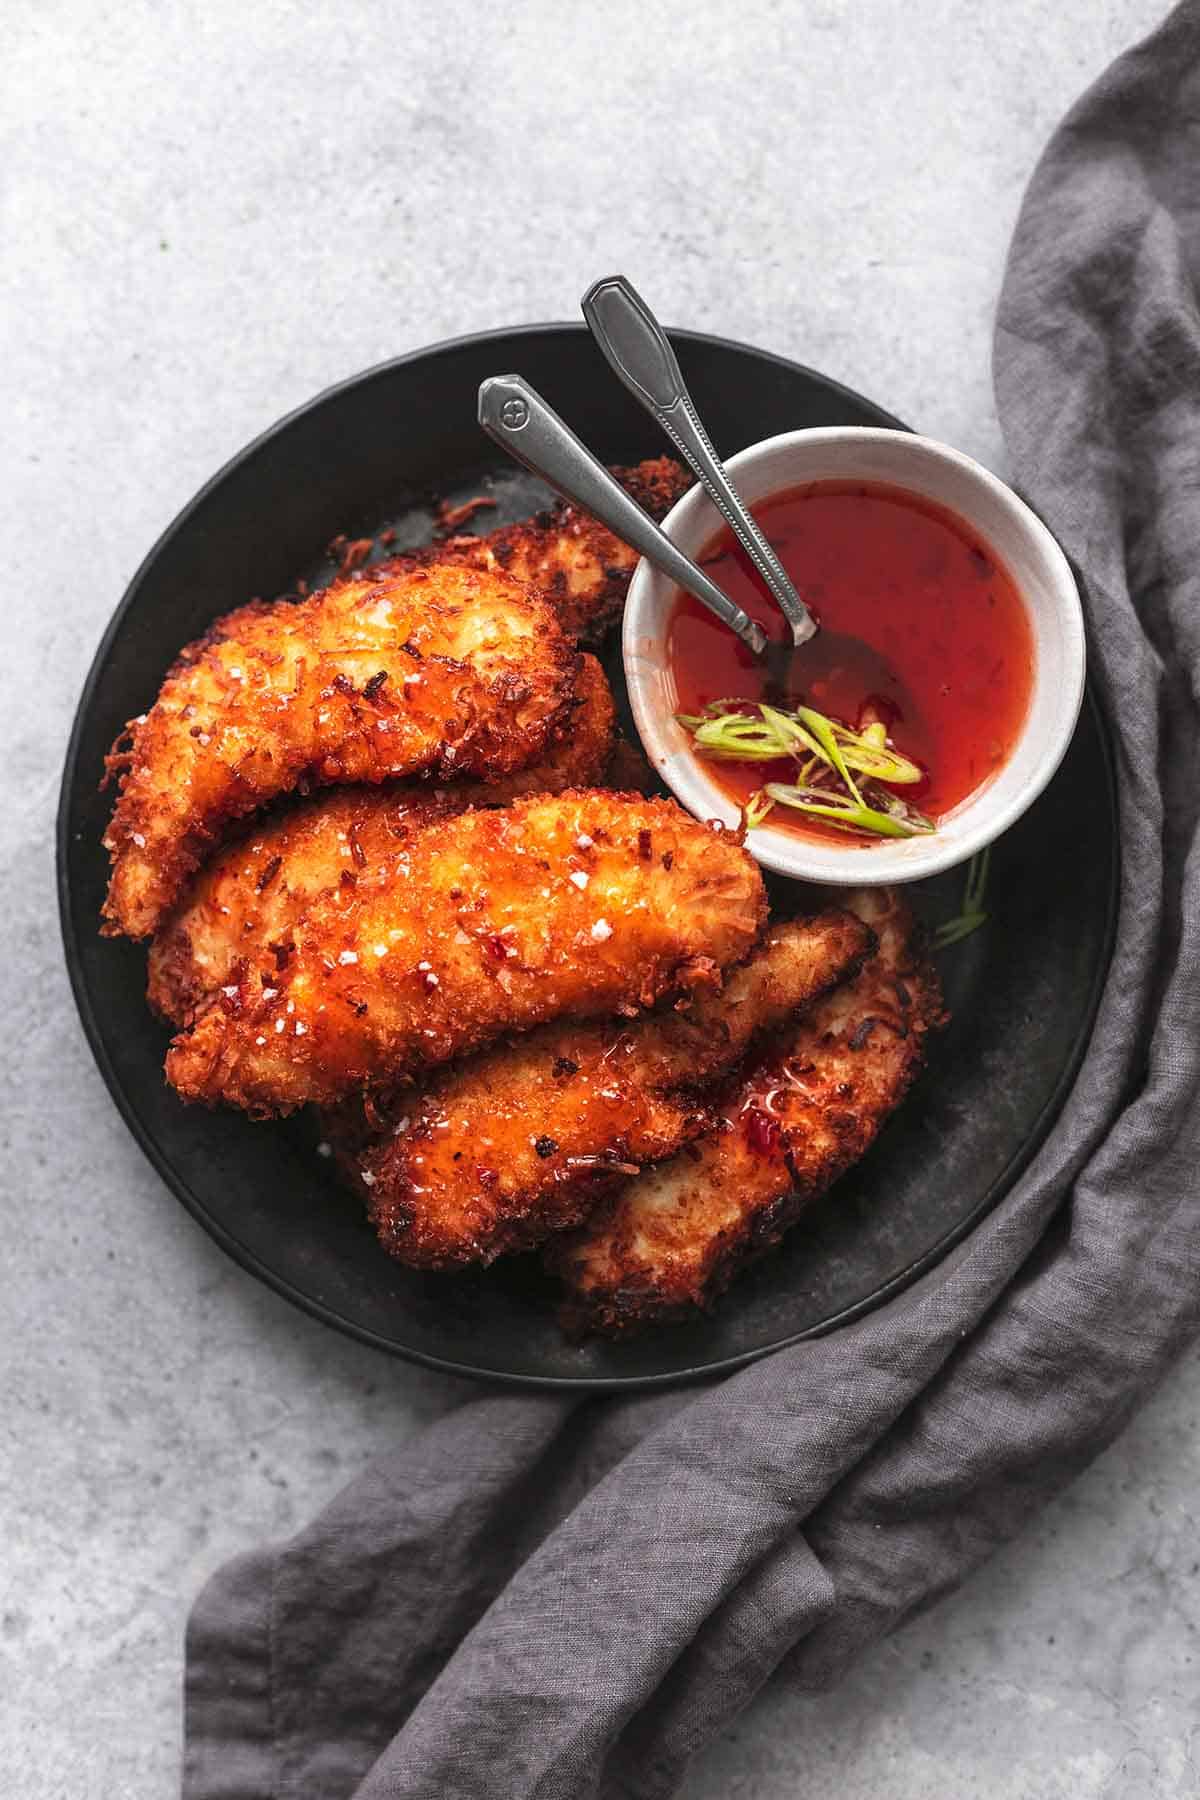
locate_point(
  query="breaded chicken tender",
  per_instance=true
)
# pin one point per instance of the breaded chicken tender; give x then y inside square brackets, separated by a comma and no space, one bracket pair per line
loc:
[583,903]
[237,918]
[523,1140]
[672,1238]
[567,555]
[238,915]
[444,669]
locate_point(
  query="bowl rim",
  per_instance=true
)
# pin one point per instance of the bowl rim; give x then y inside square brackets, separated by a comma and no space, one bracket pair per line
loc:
[979,820]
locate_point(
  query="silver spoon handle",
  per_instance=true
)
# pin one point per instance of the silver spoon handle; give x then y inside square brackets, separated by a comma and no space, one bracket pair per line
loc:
[516,416]
[639,353]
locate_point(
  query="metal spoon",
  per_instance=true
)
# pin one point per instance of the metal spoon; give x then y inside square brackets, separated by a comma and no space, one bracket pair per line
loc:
[637,350]
[516,416]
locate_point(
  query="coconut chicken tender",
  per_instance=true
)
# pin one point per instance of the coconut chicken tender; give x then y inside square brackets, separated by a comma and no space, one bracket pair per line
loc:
[567,555]
[673,1238]
[445,669]
[238,915]
[237,920]
[523,1140]
[584,903]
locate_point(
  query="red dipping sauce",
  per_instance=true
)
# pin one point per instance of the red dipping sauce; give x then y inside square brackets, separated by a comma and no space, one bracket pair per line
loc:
[913,583]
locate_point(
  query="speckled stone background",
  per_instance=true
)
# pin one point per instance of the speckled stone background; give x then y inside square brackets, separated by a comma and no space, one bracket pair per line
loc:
[209,214]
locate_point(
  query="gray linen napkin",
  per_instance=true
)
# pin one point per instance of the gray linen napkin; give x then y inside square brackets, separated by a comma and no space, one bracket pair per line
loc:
[560,1598]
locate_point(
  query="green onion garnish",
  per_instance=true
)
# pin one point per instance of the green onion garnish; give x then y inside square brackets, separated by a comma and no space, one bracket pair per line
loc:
[737,737]
[822,730]
[972,915]
[842,777]
[756,808]
[847,814]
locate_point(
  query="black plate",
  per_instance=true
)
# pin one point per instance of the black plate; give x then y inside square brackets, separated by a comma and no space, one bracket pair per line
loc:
[1023,991]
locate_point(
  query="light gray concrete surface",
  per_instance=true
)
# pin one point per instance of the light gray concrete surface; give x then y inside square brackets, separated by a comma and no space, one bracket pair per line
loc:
[210,212]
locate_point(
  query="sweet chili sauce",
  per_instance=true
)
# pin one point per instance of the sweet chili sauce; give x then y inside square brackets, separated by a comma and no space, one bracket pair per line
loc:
[921,626]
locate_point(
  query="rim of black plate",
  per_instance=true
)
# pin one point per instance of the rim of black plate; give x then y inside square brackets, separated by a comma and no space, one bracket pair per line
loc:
[245,1258]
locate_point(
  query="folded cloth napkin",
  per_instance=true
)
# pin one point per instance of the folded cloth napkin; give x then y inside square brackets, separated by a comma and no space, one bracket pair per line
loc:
[554,1597]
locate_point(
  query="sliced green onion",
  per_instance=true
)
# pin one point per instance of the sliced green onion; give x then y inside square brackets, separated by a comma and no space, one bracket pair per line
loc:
[880,764]
[977,877]
[900,808]
[791,732]
[716,709]
[868,751]
[827,755]
[738,737]
[822,730]
[972,915]
[842,812]
[955,930]
[723,725]
[757,807]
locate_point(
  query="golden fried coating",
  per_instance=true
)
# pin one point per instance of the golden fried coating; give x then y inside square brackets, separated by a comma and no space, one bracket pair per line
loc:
[671,1239]
[442,669]
[580,753]
[238,915]
[586,902]
[523,1140]
[569,556]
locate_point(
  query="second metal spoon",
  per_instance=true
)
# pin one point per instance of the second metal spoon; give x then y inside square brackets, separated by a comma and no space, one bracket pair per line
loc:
[639,353]
[516,416]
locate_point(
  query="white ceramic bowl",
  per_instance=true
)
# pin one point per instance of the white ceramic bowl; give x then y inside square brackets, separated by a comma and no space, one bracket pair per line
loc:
[1004,522]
